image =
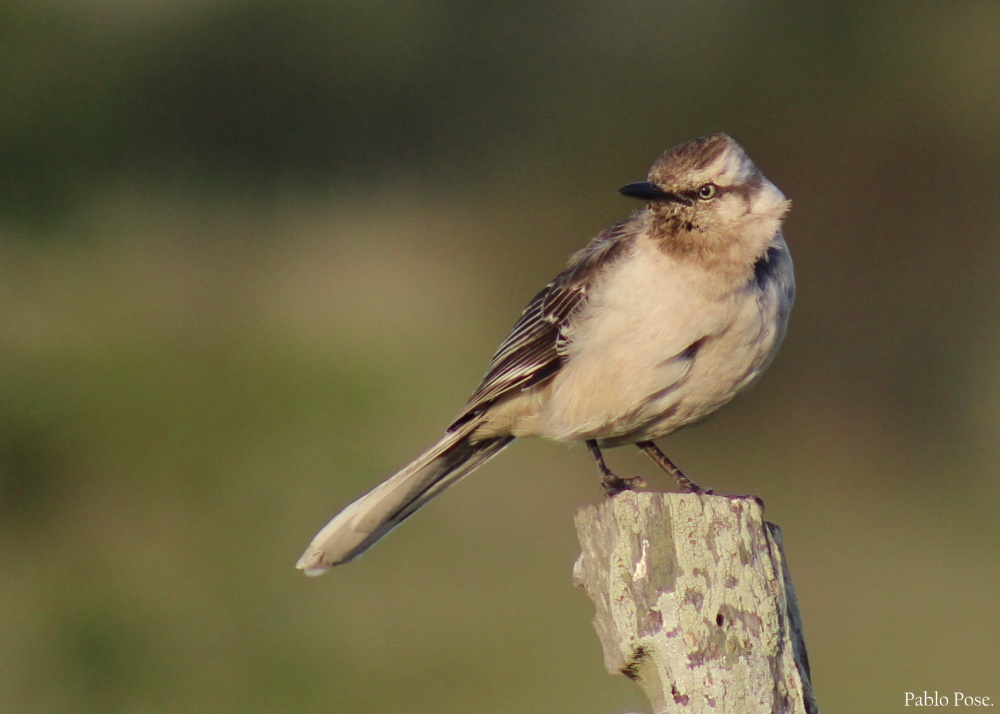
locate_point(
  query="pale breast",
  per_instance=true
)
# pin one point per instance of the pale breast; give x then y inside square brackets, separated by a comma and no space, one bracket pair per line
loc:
[659,347]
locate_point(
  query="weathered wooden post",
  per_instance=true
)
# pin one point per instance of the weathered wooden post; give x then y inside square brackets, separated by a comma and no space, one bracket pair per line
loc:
[695,603]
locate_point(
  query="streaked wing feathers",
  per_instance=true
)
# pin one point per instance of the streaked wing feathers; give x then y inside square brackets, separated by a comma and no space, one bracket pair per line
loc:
[534,349]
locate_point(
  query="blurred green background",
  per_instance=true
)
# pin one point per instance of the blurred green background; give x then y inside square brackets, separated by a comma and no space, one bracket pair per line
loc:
[255,255]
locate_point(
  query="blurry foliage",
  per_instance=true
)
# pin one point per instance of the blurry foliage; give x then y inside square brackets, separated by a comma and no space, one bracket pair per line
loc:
[254,255]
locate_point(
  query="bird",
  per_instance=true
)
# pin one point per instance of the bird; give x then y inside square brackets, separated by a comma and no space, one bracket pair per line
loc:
[661,320]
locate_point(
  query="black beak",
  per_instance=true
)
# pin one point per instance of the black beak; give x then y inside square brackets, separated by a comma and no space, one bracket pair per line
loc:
[649,191]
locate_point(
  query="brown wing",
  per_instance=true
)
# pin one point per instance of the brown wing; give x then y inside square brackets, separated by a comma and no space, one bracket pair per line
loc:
[535,348]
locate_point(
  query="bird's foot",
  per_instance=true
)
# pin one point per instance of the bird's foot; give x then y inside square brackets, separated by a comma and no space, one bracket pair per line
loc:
[689,486]
[613,484]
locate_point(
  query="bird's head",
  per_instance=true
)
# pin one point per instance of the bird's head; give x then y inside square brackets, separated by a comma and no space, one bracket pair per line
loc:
[707,197]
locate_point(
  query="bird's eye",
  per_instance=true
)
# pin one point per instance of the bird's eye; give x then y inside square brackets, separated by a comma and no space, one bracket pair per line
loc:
[708,192]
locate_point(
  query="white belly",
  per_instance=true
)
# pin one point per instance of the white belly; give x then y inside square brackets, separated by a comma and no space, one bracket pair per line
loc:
[656,352]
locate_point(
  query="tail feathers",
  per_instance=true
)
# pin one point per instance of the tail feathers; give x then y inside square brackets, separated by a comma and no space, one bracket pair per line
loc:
[364,522]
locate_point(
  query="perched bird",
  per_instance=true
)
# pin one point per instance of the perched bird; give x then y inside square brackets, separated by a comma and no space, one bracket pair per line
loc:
[661,320]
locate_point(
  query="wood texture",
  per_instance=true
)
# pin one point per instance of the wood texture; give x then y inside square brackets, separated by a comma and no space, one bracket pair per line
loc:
[694,602]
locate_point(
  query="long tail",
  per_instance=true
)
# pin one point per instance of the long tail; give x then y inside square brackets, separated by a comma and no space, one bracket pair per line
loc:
[364,522]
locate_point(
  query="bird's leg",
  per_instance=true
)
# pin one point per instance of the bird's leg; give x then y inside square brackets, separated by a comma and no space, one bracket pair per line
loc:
[611,483]
[661,460]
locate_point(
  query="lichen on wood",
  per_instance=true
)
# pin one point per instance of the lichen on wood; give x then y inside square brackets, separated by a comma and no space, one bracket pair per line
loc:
[694,602]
